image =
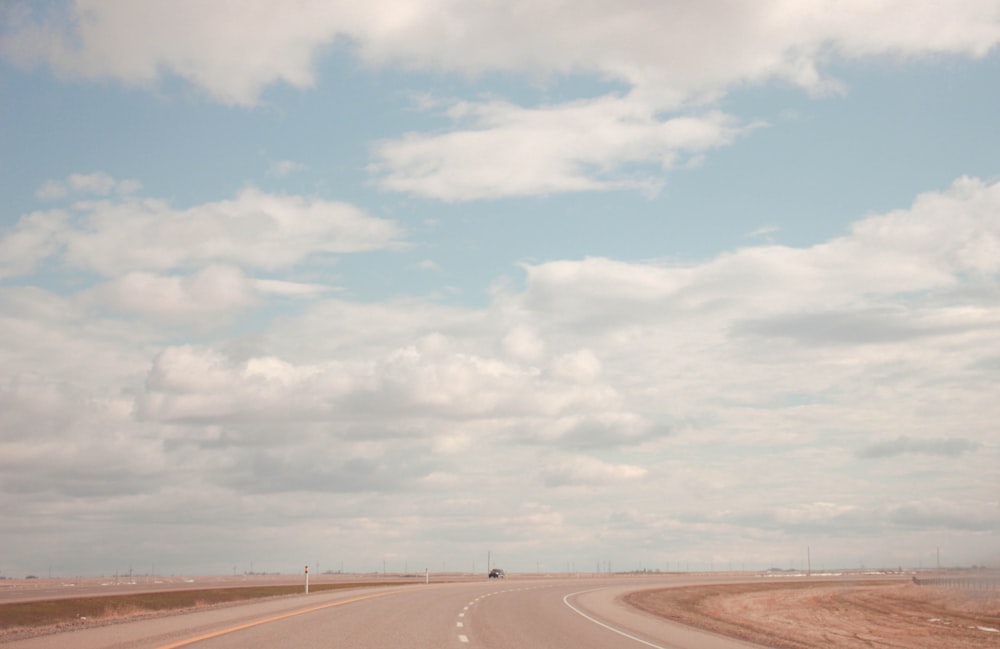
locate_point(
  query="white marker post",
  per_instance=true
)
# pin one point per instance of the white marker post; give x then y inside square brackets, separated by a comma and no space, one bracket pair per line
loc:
[427,576]
[307,579]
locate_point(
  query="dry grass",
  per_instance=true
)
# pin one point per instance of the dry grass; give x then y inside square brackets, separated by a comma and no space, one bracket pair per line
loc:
[835,614]
[35,614]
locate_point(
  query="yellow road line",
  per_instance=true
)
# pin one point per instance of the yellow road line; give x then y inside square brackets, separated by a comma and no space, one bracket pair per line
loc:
[232,629]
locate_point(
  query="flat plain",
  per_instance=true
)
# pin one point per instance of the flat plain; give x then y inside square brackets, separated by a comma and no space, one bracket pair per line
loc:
[835,614]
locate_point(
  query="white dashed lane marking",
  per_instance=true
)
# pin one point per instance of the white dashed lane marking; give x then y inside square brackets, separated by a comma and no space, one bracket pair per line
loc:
[460,625]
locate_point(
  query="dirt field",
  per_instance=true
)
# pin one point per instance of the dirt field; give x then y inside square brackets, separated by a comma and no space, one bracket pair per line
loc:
[835,614]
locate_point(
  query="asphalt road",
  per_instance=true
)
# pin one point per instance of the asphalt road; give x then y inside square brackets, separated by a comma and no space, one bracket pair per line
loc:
[580,613]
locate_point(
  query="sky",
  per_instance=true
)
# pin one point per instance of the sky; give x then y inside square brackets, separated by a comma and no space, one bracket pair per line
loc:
[565,286]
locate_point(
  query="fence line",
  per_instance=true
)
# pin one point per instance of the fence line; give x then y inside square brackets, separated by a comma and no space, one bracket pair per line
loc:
[988,584]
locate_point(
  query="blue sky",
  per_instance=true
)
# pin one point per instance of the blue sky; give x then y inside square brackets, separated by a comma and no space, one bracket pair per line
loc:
[417,281]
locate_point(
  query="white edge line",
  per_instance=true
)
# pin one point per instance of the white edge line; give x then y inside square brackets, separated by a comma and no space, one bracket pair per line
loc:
[606,626]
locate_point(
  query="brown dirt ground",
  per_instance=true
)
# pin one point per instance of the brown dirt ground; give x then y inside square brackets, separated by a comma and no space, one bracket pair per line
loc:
[835,614]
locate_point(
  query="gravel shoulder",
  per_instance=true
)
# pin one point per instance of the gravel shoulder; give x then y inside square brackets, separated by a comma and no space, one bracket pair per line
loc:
[834,614]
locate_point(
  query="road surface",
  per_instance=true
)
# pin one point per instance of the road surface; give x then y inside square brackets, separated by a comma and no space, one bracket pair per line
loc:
[583,613]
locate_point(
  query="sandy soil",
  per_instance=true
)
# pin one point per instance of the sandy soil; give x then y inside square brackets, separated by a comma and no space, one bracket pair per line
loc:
[835,614]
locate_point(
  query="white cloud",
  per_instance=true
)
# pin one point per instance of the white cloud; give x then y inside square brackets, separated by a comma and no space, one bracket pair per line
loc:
[931,246]
[817,512]
[291,289]
[254,230]
[671,59]
[598,353]
[98,183]
[400,386]
[51,190]
[284,168]
[582,366]
[638,380]
[675,50]
[510,150]
[589,472]
[429,265]
[212,291]
[764,231]
[37,236]
[232,52]
[200,384]
[956,231]
[524,344]
[47,335]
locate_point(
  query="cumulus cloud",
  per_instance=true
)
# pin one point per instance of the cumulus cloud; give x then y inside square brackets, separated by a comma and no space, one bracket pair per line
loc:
[511,150]
[207,46]
[404,384]
[672,49]
[208,297]
[955,231]
[210,292]
[37,236]
[191,383]
[600,353]
[932,246]
[670,59]
[582,366]
[638,379]
[524,344]
[254,230]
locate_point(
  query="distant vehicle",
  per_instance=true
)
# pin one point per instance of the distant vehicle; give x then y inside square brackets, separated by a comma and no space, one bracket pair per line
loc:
[497,573]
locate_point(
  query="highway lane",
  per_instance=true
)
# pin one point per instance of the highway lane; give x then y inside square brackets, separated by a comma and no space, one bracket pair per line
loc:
[581,613]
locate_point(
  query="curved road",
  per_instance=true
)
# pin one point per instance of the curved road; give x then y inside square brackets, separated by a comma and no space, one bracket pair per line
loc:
[515,613]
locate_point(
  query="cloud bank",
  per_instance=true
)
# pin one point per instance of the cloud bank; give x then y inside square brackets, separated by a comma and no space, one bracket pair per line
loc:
[632,381]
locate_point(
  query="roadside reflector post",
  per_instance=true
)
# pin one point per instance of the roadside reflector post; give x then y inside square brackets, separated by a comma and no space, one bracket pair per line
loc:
[427,576]
[307,579]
